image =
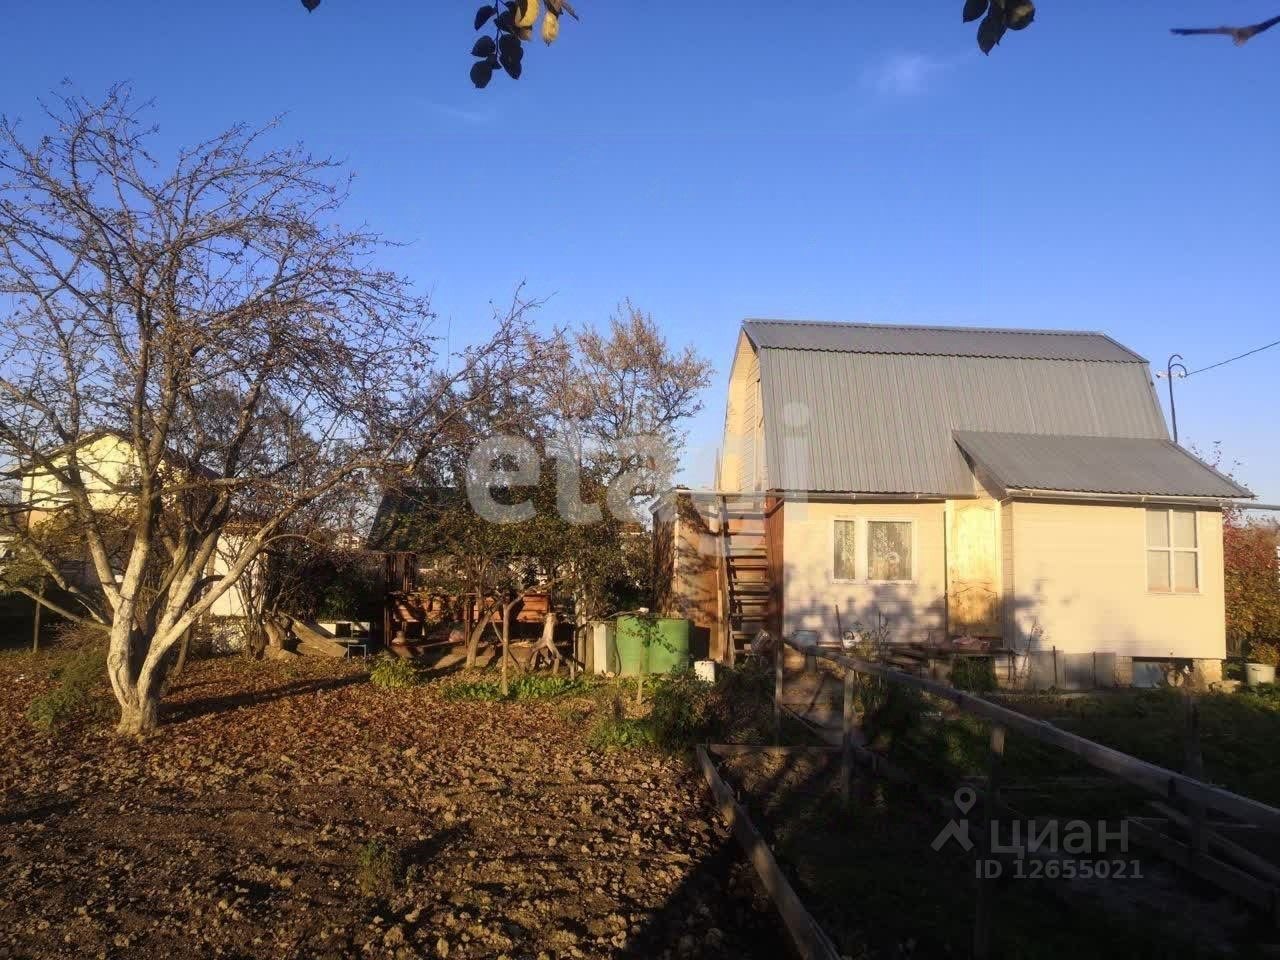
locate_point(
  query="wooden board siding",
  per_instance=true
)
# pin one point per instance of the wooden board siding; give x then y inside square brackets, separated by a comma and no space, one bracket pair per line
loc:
[973,569]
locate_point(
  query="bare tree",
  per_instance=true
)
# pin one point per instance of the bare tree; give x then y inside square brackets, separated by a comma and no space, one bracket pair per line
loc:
[247,349]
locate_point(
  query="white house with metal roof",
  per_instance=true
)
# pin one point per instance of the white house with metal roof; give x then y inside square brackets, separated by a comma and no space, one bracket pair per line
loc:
[1014,486]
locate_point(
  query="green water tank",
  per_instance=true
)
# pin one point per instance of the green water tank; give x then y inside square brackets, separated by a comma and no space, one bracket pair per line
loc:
[662,645]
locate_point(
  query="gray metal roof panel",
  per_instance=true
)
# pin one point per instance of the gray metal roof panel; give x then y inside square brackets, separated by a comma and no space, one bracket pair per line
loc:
[883,422]
[937,341]
[1111,465]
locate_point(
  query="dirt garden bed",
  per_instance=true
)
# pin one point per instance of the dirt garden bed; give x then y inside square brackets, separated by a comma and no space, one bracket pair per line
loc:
[295,810]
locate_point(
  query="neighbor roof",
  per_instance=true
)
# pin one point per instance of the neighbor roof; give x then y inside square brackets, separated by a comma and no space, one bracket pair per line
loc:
[1114,465]
[937,341]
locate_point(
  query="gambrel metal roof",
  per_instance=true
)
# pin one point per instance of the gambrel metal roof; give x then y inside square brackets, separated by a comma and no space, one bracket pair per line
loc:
[937,341]
[873,409]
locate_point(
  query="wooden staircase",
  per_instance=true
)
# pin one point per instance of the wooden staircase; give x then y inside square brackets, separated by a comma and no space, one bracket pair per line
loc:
[744,581]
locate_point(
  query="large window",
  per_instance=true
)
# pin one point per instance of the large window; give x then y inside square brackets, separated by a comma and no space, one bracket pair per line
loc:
[1173,551]
[873,550]
[888,550]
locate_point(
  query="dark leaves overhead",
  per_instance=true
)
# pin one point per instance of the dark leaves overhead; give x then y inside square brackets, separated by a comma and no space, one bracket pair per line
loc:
[1001,15]
[991,30]
[513,22]
[310,4]
[481,73]
[1019,15]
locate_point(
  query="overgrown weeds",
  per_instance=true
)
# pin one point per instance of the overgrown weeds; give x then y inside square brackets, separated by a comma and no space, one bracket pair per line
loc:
[80,678]
[616,731]
[377,870]
[530,686]
[394,673]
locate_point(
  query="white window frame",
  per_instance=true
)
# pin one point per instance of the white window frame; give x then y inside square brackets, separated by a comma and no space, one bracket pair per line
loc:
[861,545]
[1170,550]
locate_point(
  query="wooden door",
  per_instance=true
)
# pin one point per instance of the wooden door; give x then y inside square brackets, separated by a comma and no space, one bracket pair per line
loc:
[973,570]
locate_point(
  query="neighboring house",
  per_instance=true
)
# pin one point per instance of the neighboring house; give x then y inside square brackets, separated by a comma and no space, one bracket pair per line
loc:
[1013,485]
[108,467]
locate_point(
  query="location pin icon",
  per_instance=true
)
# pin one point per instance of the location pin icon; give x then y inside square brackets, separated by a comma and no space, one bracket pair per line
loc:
[965,798]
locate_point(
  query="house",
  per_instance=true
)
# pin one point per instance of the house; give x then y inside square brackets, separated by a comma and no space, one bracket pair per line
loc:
[935,483]
[108,468]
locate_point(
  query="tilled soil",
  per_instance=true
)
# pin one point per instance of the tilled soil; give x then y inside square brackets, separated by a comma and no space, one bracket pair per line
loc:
[294,810]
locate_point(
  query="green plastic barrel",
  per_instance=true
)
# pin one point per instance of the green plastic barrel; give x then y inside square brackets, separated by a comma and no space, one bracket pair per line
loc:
[662,645]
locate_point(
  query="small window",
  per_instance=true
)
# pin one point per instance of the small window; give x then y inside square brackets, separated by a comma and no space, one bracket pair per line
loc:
[1173,552]
[846,550]
[888,550]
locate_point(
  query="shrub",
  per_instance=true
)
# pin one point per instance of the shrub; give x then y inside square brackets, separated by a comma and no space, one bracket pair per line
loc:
[393,673]
[687,710]
[377,867]
[79,682]
[977,674]
[620,733]
[1262,652]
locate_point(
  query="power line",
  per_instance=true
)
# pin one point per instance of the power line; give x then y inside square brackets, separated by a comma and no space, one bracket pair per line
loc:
[1247,353]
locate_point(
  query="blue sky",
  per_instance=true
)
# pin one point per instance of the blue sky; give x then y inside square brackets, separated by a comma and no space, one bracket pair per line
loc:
[760,159]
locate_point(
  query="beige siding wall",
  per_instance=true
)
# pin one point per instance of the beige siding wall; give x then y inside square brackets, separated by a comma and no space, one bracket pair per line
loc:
[1079,576]
[915,610]
[1009,608]
[742,452]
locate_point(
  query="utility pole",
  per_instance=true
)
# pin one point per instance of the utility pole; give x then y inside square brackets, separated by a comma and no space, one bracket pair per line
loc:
[1173,369]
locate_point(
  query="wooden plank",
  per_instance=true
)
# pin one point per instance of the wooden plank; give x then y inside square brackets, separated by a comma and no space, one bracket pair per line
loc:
[1246,887]
[983,916]
[847,741]
[1243,858]
[810,940]
[1140,773]
[741,749]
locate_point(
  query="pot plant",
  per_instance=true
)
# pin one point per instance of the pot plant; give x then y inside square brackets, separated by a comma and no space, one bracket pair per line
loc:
[1261,665]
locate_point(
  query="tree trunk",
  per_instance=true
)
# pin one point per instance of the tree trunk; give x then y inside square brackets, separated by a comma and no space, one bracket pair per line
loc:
[473,641]
[140,719]
[506,646]
[184,645]
[35,629]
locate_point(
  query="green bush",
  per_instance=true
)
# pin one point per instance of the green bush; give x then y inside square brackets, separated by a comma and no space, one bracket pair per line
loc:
[976,674]
[738,706]
[393,673]
[80,678]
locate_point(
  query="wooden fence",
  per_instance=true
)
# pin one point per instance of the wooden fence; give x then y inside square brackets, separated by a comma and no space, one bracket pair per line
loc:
[1206,853]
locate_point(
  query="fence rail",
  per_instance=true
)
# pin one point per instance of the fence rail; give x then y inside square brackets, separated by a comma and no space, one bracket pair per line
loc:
[1247,876]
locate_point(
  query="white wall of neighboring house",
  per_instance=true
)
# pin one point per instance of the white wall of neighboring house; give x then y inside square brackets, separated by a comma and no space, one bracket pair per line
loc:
[105,464]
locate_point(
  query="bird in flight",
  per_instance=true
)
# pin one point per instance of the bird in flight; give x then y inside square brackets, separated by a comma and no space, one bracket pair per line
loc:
[1239,35]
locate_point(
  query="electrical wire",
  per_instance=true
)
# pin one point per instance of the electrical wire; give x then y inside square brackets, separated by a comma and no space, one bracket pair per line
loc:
[1247,353]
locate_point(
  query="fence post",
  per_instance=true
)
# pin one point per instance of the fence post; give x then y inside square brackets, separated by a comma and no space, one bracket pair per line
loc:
[846,741]
[983,911]
[779,655]
[1193,766]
